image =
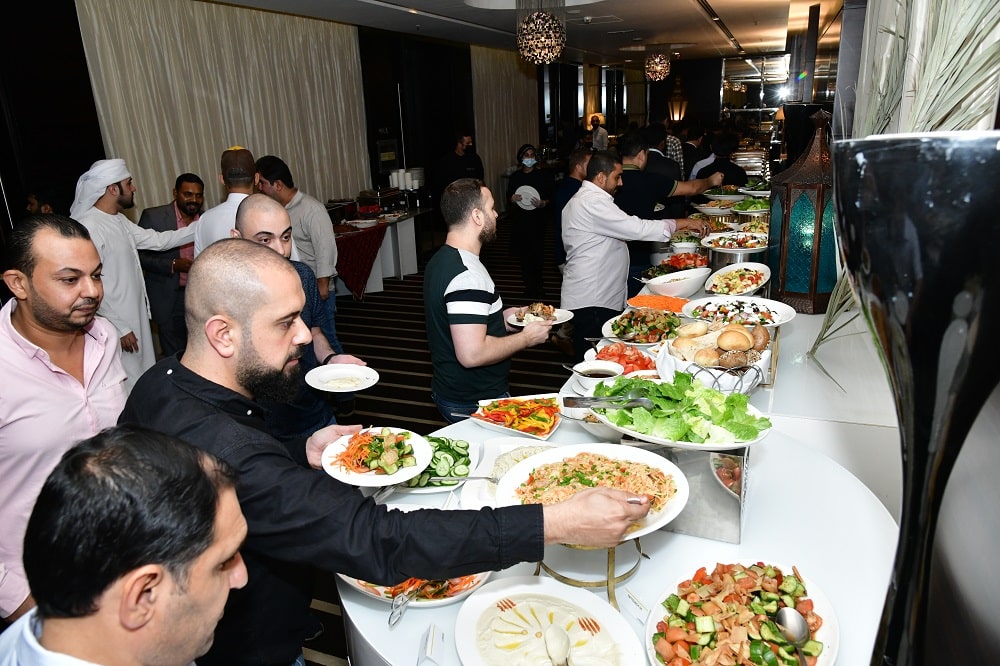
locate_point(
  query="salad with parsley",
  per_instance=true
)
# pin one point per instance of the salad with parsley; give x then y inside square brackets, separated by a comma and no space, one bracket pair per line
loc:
[684,410]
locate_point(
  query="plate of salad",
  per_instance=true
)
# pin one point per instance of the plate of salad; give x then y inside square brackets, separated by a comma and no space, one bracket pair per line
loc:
[677,262]
[685,414]
[752,206]
[531,415]
[690,617]
[747,310]
[724,193]
[642,327]
[430,593]
[377,457]
[449,457]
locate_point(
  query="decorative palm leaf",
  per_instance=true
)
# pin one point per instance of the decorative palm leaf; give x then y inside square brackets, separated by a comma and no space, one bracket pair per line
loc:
[957,76]
[954,86]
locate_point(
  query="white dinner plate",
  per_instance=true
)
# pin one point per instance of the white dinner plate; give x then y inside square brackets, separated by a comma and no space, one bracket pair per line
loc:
[342,377]
[381,593]
[421,451]
[756,193]
[726,197]
[477,493]
[760,211]
[782,313]
[562,316]
[475,454]
[654,520]
[528,194]
[828,634]
[710,240]
[490,425]
[764,269]
[712,210]
[531,599]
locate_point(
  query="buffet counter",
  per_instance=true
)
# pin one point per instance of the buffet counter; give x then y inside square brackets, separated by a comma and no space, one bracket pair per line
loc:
[800,505]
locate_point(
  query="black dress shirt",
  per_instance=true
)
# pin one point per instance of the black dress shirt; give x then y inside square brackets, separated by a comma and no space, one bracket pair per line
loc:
[300,518]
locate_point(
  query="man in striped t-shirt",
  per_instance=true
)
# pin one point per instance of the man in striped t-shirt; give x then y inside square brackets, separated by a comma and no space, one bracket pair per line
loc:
[471,342]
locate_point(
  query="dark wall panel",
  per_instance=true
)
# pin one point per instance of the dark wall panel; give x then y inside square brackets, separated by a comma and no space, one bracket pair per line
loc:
[50,130]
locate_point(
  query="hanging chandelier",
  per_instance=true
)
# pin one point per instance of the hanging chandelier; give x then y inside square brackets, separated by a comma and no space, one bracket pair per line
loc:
[540,38]
[657,67]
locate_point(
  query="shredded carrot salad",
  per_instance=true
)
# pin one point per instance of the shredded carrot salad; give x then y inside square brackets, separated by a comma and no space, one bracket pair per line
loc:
[354,457]
[372,451]
[672,303]
[432,589]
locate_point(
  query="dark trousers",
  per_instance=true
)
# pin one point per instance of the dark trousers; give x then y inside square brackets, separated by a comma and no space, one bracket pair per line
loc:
[171,330]
[587,323]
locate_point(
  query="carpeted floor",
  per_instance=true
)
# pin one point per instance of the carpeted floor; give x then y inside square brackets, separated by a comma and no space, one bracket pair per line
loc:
[387,331]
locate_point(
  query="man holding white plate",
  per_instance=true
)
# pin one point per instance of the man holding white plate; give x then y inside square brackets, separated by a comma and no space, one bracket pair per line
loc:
[467,325]
[243,304]
[264,220]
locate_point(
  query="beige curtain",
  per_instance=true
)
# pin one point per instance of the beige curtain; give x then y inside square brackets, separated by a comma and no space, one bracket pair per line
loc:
[176,82]
[505,95]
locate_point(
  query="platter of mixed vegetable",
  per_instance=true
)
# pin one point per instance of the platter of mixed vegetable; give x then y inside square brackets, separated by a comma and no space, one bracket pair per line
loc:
[429,593]
[727,616]
[677,262]
[377,457]
[532,415]
[685,414]
[642,326]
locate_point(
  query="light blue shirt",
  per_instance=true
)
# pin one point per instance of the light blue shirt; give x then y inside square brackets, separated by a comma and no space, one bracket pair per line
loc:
[19,646]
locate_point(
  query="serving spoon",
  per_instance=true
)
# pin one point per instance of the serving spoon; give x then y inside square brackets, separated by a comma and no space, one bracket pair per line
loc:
[557,645]
[794,628]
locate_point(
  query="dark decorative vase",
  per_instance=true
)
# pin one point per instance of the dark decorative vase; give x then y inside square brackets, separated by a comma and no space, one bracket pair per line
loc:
[917,222]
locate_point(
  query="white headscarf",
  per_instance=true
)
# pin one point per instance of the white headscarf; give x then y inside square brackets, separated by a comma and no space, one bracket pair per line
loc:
[92,184]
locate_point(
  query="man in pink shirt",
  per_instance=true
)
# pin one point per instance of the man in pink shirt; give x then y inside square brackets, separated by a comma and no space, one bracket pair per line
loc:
[63,379]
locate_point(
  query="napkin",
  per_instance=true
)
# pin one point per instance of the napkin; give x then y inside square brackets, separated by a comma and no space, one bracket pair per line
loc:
[431,647]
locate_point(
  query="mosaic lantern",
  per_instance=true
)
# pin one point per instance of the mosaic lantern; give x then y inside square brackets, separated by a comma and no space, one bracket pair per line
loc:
[802,250]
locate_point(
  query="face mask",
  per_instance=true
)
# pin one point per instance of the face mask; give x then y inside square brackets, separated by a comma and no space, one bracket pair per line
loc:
[529,162]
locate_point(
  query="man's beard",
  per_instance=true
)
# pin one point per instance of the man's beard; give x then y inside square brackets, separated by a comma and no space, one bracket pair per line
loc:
[264,382]
[488,234]
[191,209]
[59,321]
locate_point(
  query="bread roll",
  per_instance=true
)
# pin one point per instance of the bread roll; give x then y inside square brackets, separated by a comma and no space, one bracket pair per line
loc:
[707,357]
[734,341]
[733,359]
[761,337]
[682,347]
[692,330]
[741,329]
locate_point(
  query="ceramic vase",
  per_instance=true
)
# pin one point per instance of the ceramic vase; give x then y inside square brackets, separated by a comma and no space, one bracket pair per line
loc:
[917,222]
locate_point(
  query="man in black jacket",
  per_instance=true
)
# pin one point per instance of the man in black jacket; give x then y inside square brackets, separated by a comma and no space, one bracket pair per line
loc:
[165,272]
[244,300]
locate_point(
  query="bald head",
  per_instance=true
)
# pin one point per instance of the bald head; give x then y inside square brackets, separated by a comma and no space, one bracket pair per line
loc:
[263,220]
[227,278]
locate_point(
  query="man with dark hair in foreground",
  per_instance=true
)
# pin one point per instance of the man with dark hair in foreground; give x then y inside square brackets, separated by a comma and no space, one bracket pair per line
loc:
[130,551]
[245,336]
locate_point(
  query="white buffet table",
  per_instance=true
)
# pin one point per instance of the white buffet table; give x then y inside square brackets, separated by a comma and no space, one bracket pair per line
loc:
[801,508]
[397,256]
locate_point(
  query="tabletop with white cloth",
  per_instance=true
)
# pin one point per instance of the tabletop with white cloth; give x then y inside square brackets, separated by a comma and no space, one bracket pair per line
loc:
[801,508]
